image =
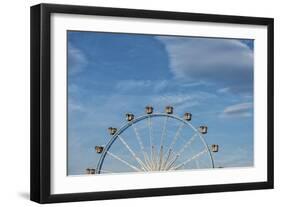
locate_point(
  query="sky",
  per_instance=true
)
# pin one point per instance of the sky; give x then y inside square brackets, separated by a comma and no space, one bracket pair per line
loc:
[111,74]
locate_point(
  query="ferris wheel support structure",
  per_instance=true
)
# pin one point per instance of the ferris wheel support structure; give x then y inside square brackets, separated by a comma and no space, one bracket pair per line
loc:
[148,165]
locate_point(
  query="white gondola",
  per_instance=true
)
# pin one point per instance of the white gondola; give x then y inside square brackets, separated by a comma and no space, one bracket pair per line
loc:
[130,117]
[90,171]
[203,129]
[149,109]
[112,130]
[187,116]
[98,149]
[169,109]
[215,148]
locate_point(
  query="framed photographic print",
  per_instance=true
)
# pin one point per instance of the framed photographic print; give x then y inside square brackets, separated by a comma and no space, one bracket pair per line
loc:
[132,103]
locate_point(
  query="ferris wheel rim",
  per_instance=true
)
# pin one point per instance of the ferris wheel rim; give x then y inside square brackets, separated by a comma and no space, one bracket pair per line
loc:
[143,117]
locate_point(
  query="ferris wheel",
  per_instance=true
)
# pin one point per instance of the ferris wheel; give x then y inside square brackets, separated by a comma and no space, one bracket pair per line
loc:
[155,142]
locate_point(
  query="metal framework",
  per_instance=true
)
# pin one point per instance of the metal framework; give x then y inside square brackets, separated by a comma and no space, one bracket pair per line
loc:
[156,161]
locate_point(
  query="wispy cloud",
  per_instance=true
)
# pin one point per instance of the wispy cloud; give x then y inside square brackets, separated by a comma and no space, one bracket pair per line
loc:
[76,60]
[141,85]
[222,61]
[74,106]
[223,90]
[238,110]
[127,85]
[156,86]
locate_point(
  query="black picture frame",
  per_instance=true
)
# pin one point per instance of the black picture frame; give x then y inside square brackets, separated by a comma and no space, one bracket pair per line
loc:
[41,97]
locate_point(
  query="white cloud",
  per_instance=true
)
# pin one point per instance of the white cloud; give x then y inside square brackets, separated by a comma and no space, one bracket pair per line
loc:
[174,100]
[188,99]
[133,85]
[155,86]
[72,106]
[196,83]
[161,85]
[238,110]
[228,62]
[127,85]
[223,90]
[76,60]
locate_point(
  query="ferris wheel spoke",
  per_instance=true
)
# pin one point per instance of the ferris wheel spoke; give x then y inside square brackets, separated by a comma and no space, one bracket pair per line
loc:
[189,160]
[172,162]
[167,159]
[147,162]
[133,153]
[139,140]
[164,130]
[174,140]
[160,158]
[163,136]
[154,158]
[123,161]
[196,160]
[187,144]
[149,124]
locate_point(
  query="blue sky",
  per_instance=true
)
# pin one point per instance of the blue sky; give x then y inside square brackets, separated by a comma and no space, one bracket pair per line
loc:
[112,74]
